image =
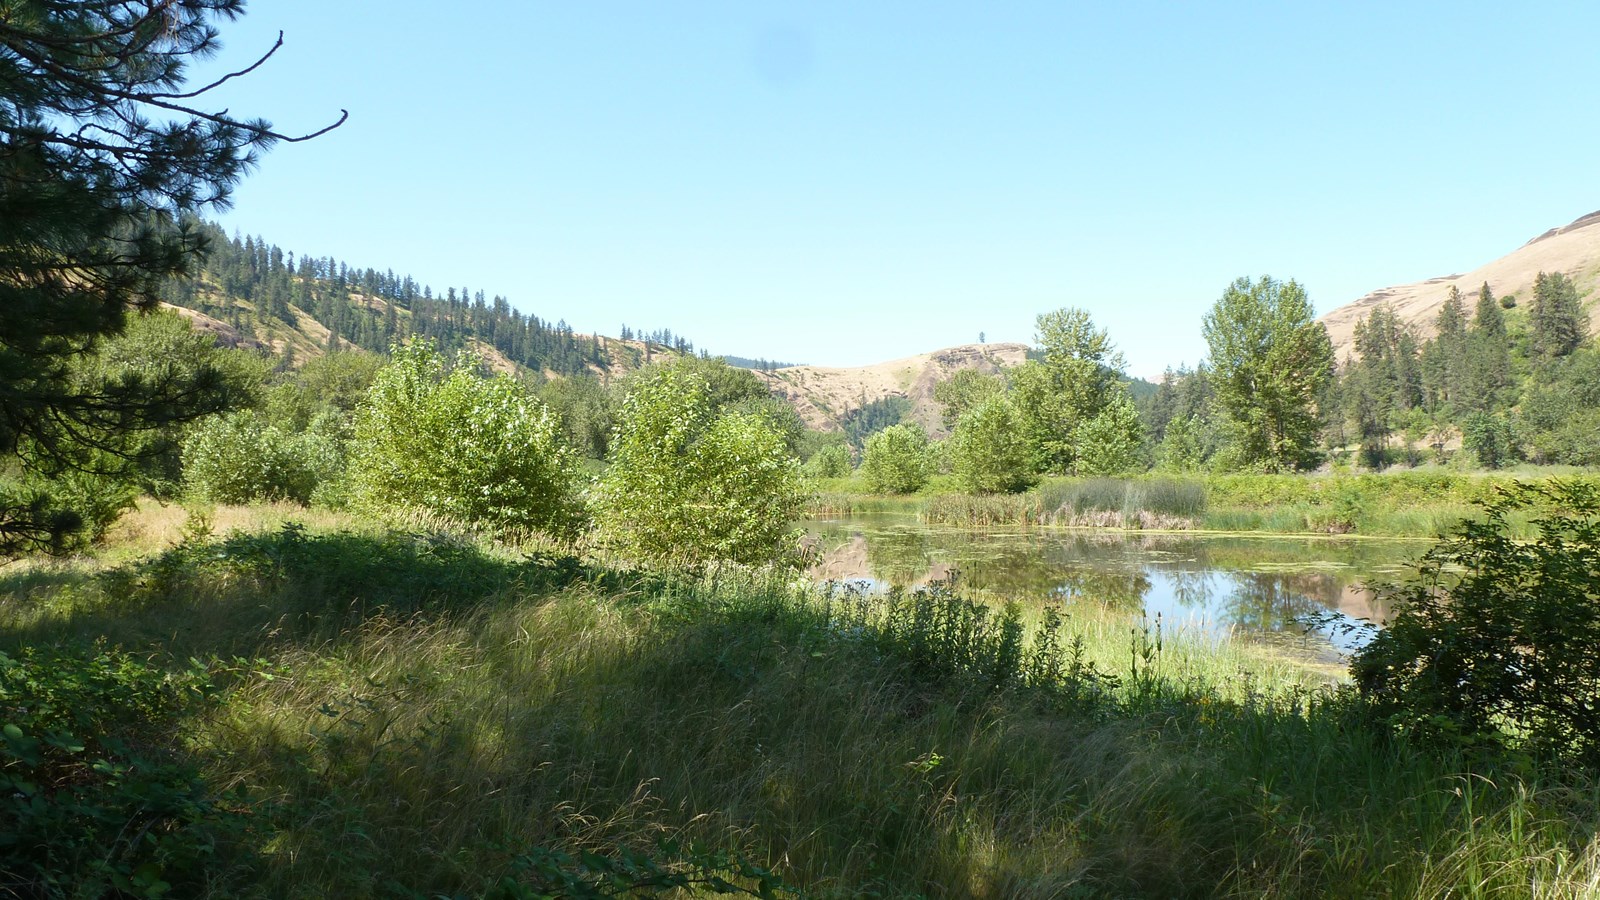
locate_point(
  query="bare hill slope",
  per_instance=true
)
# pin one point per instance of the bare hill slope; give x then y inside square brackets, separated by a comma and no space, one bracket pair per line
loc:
[1573,250]
[825,396]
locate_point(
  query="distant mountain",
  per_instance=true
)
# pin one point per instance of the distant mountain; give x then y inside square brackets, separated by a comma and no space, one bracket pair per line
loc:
[827,397]
[1573,250]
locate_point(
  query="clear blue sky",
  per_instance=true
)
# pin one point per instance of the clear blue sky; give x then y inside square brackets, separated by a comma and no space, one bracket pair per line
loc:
[843,183]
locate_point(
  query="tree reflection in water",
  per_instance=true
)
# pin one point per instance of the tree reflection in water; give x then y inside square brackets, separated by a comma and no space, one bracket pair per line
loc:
[1227,584]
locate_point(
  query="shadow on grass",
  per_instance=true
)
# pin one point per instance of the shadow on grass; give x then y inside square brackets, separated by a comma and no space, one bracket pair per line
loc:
[864,758]
[256,593]
[909,749]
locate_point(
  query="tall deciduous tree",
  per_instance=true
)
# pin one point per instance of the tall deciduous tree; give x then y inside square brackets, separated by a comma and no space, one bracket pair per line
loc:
[101,144]
[965,391]
[1072,381]
[1270,360]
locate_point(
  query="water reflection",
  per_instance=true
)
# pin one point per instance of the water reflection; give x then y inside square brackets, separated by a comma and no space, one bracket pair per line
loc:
[1263,587]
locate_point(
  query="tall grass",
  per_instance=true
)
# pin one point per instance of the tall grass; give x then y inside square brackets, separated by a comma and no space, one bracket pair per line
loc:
[983,511]
[826,504]
[1162,503]
[1398,504]
[416,716]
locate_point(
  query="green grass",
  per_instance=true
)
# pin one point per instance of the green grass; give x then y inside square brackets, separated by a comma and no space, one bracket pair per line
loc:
[414,715]
[984,511]
[1410,503]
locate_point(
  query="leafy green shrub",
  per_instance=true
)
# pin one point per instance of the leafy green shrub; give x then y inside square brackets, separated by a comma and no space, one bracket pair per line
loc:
[1344,509]
[239,458]
[832,461]
[449,441]
[1185,446]
[95,802]
[688,485]
[1492,439]
[1109,443]
[1495,638]
[989,451]
[895,460]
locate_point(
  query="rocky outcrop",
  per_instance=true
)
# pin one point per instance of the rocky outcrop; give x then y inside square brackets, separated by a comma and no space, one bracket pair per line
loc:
[824,396]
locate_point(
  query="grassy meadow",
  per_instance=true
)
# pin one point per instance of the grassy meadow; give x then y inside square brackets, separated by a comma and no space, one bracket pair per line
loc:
[297,704]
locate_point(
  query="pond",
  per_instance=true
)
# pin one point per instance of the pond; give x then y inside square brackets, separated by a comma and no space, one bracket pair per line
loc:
[1300,592]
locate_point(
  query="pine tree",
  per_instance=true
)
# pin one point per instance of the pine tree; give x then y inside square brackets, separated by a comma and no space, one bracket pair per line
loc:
[1486,368]
[1384,381]
[1442,356]
[102,152]
[1557,319]
[1488,318]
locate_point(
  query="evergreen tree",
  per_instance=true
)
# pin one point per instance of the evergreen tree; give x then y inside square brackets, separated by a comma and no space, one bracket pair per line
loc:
[1442,356]
[1488,317]
[100,150]
[1557,319]
[1384,382]
[1486,364]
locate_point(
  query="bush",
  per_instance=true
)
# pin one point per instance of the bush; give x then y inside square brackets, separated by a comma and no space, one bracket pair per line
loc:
[457,444]
[1109,443]
[1492,439]
[989,452]
[239,458]
[895,460]
[94,800]
[1495,639]
[832,461]
[688,485]
[1184,448]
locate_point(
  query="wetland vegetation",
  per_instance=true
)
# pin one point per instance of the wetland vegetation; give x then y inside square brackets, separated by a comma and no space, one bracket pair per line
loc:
[354,710]
[479,608]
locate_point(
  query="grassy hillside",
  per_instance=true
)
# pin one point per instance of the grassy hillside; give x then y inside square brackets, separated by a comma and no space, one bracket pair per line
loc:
[1573,250]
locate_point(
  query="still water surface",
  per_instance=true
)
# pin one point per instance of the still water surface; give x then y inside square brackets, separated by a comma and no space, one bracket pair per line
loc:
[1300,592]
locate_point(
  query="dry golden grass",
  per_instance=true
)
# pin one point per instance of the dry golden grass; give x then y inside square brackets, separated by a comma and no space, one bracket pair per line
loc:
[1573,250]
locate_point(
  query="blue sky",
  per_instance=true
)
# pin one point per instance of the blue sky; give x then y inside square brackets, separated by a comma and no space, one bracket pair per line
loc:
[844,183]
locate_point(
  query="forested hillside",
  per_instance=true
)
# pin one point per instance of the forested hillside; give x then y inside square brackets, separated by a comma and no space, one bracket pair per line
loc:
[309,305]
[1505,378]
